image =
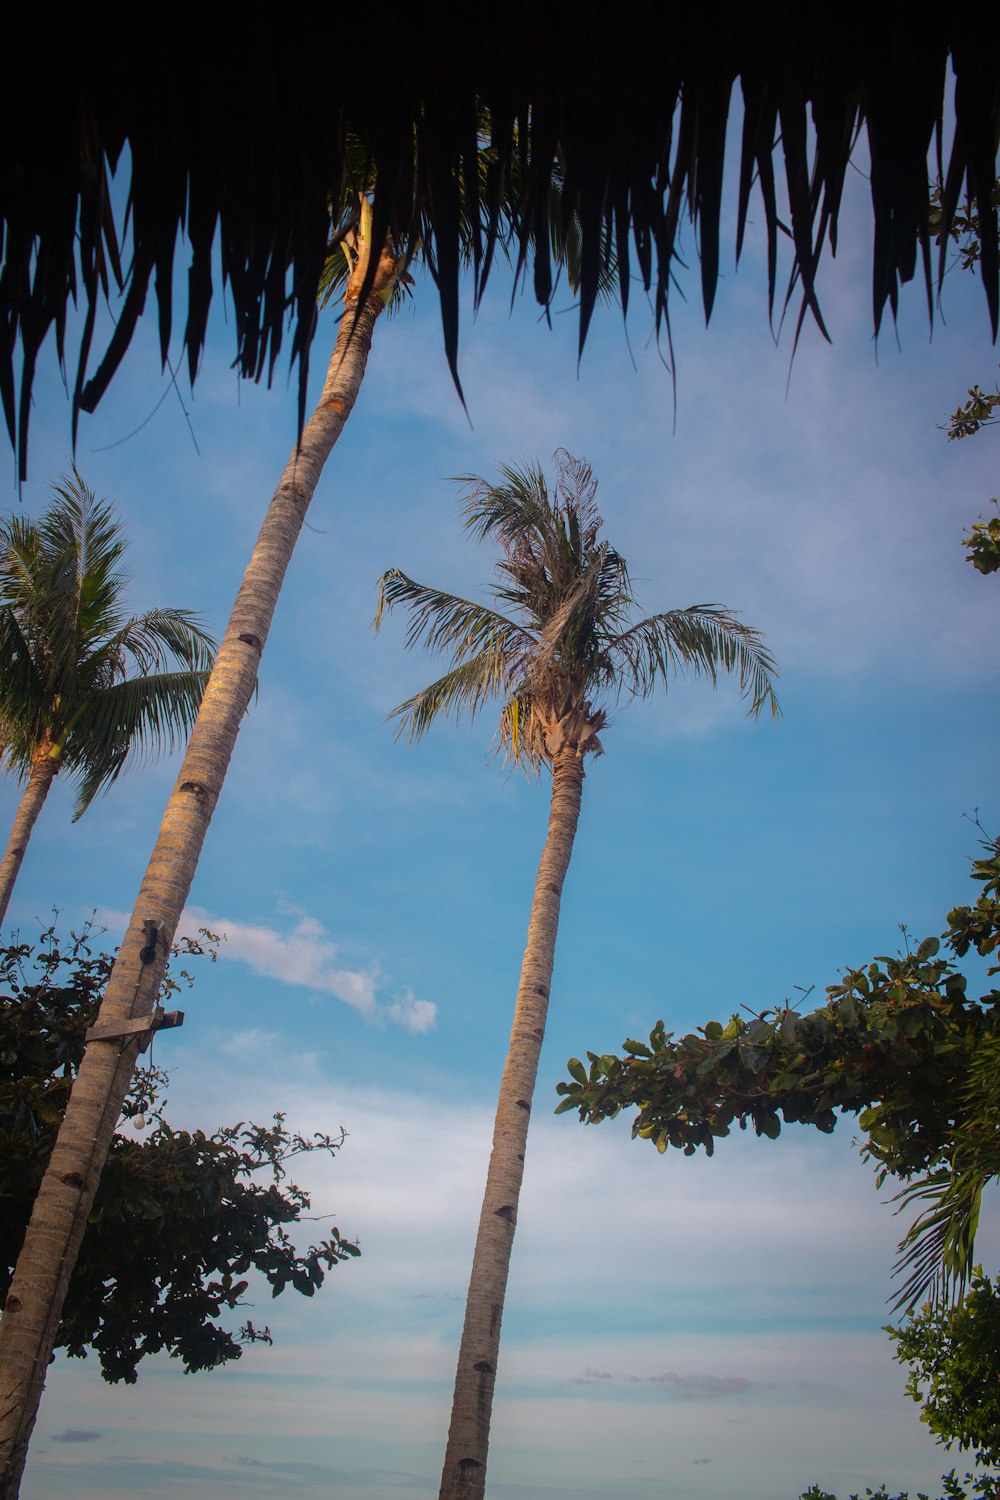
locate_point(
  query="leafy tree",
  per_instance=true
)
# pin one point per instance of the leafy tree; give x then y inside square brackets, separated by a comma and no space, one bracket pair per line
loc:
[84,688]
[181,1218]
[899,1043]
[975,1487]
[983,541]
[66,1192]
[980,410]
[954,1359]
[570,643]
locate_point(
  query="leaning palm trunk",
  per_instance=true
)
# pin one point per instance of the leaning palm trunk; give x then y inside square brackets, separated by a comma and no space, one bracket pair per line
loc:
[43,770]
[35,1299]
[570,639]
[464,1475]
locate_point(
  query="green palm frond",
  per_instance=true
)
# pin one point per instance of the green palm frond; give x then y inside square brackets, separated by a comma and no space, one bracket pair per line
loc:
[445,622]
[506,511]
[566,247]
[84,548]
[74,668]
[20,547]
[152,640]
[982,1091]
[938,1250]
[571,640]
[570,637]
[550,545]
[127,723]
[705,639]
[23,699]
[463,690]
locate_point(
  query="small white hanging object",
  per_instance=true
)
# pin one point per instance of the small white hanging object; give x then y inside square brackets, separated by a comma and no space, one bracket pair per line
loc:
[139,1121]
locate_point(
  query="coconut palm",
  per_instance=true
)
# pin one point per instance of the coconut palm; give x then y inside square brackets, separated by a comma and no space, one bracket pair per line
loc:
[369,273]
[568,644]
[52,1241]
[84,688]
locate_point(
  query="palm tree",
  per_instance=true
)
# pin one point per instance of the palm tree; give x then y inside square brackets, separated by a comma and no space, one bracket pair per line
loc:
[373,272]
[570,643]
[68,701]
[52,1241]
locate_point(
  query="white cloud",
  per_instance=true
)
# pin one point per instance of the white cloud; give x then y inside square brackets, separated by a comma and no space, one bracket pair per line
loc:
[729,1308]
[250,1044]
[412,1014]
[306,957]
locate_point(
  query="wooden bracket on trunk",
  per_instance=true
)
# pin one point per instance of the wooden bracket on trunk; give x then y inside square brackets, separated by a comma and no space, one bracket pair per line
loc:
[142,1027]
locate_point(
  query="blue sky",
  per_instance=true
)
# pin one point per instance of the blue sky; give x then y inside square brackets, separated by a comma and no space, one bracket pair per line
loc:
[673,1328]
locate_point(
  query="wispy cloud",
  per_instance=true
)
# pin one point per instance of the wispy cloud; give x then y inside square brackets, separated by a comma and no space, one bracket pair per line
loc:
[681,1387]
[696,1387]
[77,1435]
[306,957]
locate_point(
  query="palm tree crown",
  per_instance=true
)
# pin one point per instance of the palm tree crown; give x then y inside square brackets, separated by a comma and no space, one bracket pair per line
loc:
[78,676]
[572,640]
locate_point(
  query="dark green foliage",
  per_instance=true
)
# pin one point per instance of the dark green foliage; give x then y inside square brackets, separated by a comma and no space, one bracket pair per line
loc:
[963,228]
[899,1044]
[97,688]
[892,1045]
[974,1487]
[180,1220]
[977,412]
[954,1359]
[859,1053]
[983,541]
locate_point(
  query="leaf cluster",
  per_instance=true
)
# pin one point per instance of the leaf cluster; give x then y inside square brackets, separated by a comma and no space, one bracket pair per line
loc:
[974,1487]
[962,226]
[983,541]
[978,411]
[893,1045]
[182,1220]
[954,1359]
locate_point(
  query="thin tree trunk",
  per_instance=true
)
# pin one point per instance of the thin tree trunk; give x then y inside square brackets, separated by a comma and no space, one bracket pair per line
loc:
[43,770]
[30,1319]
[464,1475]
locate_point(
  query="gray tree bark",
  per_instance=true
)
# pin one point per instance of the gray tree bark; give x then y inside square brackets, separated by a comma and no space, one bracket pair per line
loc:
[464,1475]
[34,1304]
[43,770]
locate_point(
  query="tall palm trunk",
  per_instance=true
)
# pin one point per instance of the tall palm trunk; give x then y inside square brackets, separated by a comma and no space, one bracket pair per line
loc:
[464,1476]
[34,1302]
[43,770]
